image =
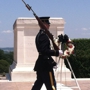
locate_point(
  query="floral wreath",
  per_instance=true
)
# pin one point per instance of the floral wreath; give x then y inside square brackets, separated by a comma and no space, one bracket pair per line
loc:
[69,48]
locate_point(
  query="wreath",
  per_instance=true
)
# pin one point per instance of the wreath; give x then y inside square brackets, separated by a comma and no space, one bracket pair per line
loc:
[69,45]
[69,49]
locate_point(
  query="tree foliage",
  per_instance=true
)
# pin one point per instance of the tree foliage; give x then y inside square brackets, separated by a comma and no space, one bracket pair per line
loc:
[4,65]
[81,61]
[6,60]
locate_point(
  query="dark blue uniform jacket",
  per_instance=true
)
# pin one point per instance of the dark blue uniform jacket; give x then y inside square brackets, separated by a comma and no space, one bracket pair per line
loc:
[44,61]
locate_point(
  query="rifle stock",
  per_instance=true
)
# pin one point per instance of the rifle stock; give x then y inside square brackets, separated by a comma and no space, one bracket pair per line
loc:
[43,26]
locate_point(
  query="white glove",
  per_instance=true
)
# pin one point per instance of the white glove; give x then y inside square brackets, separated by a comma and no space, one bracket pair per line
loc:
[60,52]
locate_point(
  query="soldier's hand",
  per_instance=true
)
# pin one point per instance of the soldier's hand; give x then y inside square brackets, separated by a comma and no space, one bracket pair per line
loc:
[60,52]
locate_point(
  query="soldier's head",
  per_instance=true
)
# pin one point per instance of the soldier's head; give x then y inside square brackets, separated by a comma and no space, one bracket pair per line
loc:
[45,20]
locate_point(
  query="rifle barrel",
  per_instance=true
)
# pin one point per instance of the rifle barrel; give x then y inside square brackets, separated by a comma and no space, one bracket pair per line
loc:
[23,2]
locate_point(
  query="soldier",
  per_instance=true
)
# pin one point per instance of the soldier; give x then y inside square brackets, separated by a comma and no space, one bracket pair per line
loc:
[45,63]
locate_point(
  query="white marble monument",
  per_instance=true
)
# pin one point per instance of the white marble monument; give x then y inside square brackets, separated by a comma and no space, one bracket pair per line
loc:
[25,53]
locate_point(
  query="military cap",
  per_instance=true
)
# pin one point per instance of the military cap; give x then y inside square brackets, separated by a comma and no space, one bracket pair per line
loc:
[45,19]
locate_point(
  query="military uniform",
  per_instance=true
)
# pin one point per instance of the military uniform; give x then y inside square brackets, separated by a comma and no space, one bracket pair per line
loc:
[44,63]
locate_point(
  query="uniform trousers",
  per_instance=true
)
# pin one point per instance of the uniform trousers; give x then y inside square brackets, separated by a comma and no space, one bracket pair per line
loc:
[44,78]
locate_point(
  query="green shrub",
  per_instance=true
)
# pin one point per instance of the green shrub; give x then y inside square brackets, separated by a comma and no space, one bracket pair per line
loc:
[81,62]
[4,66]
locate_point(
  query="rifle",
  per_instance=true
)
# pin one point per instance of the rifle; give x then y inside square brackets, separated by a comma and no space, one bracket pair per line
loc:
[42,25]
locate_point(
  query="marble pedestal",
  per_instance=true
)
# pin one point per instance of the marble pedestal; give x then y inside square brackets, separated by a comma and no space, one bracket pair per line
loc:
[25,53]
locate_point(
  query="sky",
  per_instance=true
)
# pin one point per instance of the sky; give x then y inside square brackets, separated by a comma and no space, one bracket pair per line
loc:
[76,14]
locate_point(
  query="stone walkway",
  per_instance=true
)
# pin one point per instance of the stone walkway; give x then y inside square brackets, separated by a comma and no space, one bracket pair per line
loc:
[8,85]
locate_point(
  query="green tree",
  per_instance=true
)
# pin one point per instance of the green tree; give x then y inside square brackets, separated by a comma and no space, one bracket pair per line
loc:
[81,61]
[4,66]
[1,54]
[8,57]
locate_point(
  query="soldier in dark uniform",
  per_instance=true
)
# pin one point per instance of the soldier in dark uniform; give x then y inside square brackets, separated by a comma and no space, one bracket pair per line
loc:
[45,63]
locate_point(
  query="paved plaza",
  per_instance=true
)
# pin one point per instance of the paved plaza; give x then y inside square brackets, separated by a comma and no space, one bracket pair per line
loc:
[8,85]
